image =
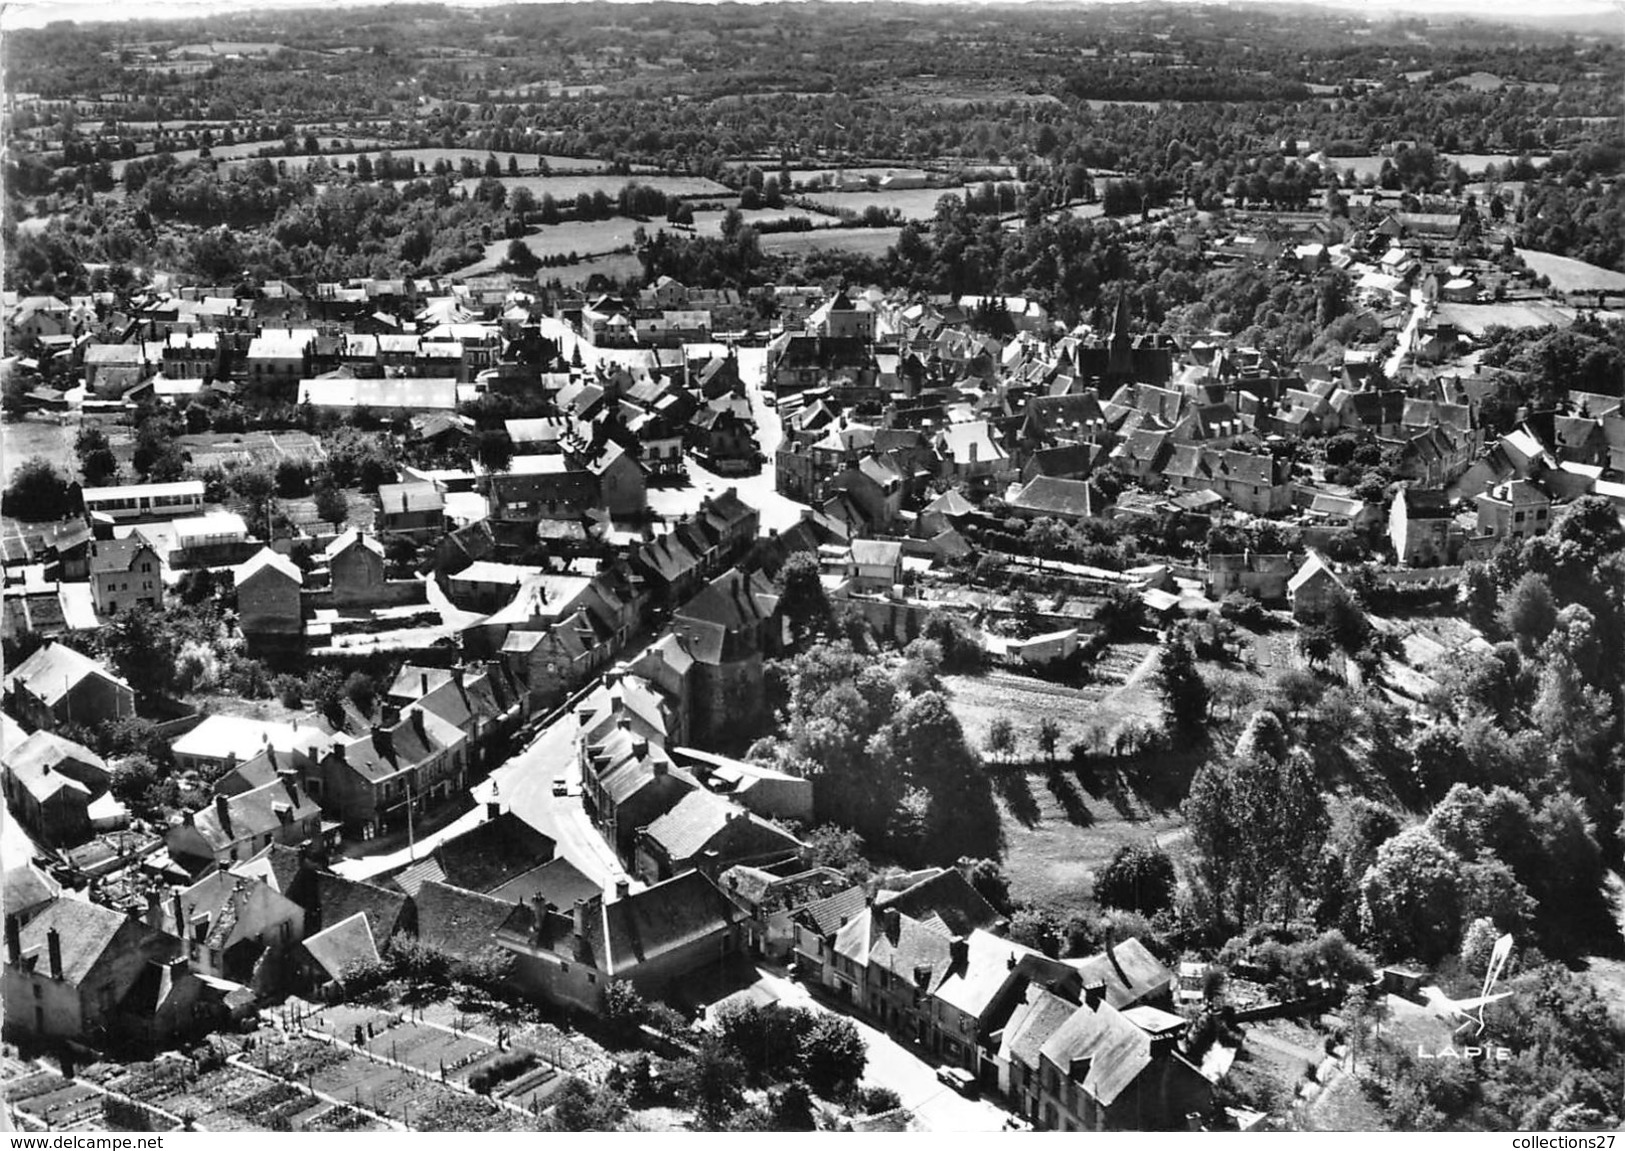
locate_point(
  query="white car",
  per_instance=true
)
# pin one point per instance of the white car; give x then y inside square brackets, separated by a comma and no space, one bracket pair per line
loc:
[958,1078]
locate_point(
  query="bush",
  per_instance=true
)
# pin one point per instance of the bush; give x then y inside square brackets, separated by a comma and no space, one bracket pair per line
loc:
[876,1100]
[500,1069]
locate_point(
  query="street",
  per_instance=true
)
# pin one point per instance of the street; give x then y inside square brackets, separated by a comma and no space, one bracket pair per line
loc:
[891,1064]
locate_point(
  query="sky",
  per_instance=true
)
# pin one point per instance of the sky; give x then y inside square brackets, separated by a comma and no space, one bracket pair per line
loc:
[36,13]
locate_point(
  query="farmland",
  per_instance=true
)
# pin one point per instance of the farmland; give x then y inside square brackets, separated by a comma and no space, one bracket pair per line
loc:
[22,439]
[859,241]
[581,237]
[563,188]
[1571,275]
[912,203]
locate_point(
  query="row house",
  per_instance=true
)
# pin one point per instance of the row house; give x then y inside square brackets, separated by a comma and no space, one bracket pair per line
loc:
[775,901]
[579,479]
[375,783]
[711,833]
[235,827]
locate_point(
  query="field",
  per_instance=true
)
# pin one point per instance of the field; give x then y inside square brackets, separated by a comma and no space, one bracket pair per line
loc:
[860,241]
[563,188]
[1570,275]
[583,237]
[1062,826]
[913,203]
[710,223]
[239,155]
[1471,162]
[22,439]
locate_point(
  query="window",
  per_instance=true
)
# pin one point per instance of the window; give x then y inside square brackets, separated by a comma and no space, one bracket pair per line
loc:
[146,567]
[39,992]
[591,978]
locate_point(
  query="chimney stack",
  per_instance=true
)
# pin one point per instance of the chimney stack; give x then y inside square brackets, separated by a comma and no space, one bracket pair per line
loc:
[53,946]
[14,940]
[1094,994]
[493,808]
[155,909]
[423,684]
[959,950]
[623,888]
[640,747]
[222,810]
[891,919]
[176,910]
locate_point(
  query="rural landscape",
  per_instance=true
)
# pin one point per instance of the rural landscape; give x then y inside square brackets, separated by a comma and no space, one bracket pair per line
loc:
[813,567]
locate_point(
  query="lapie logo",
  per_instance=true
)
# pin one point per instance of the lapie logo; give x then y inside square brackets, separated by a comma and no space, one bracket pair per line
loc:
[1471,1013]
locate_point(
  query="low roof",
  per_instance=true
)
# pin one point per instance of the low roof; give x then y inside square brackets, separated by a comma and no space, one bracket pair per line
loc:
[345,943]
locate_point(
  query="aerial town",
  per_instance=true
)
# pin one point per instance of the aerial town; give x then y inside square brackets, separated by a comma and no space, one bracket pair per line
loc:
[639,567]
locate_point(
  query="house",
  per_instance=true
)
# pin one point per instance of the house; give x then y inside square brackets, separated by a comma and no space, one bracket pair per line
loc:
[770,793]
[484,858]
[223,742]
[63,756]
[1517,508]
[57,685]
[728,629]
[268,595]
[70,967]
[378,782]
[814,927]
[1264,577]
[773,900]
[417,510]
[653,939]
[628,783]
[1131,975]
[1259,484]
[53,807]
[356,561]
[971,453]
[227,923]
[124,574]
[236,827]
[1419,527]
[1315,587]
[874,565]
[711,833]
[1065,500]
[337,950]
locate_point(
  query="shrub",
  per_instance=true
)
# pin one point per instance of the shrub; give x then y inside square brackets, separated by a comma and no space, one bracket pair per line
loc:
[499,1069]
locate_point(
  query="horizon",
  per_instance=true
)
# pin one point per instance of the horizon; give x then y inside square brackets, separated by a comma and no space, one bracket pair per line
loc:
[40,13]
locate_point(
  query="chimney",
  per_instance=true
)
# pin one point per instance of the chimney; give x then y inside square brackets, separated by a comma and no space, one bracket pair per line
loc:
[1163,1046]
[623,888]
[290,782]
[176,910]
[417,724]
[1010,964]
[14,940]
[1078,1071]
[659,766]
[892,920]
[493,808]
[581,919]
[222,811]
[155,909]
[53,945]
[423,684]
[958,951]
[1094,994]
[640,747]
[583,716]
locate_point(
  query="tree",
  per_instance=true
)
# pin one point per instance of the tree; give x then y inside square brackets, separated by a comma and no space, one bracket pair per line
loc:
[38,491]
[833,1055]
[520,258]
[710,1081]
[1049,736]
[803,600]
[836,847]
[97,463]
[1529,612]
[331,505]
[1411,897]
[143,648]
[577,1106]
[1036,928]
[1140,877]
[1184,694]
[1001,738]
[989,880]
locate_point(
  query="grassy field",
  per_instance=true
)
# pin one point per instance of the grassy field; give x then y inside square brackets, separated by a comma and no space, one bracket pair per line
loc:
[1063,825]
[563,188]
[1570,275]
[22,439]
[913,203]
[584,238]
[710,223]
[861,241]
[1471,162]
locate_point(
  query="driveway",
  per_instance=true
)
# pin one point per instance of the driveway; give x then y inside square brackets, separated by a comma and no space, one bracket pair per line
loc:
[902,1069]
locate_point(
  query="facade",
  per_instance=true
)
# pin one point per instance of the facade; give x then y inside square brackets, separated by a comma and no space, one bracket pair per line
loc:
[57,685]
[124,574]
[268,595]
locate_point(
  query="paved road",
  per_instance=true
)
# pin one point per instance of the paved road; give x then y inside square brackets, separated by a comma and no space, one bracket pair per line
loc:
[894,1065]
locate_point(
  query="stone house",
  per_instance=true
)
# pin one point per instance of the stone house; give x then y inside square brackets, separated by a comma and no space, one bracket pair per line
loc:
[236,827]
[57,685]
[268,595]
[711,833]
[124,574]
[1420,527]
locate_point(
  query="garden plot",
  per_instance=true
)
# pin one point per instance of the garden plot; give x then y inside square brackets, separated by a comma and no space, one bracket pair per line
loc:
[55,1102]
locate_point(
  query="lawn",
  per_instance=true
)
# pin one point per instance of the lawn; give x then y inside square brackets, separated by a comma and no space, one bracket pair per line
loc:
[1063,825]
[1571,275]
[913,203]
[581,237]
[563,188]
[22,439]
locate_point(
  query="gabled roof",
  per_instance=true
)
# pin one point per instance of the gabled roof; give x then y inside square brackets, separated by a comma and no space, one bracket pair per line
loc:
[49,750]
[351,539]
[339,899]
[830,914]
[484,857]
[1315,567]
[267,560]
[1115,1049]
[254,813]
[971,985]
[52,671]
[1046,495]
[557,881]
[118,555]
[702,821]
[459,922]
[950,895]
[1039,1016]
[656,921]
[347,942]
[86,931]
[1129,971]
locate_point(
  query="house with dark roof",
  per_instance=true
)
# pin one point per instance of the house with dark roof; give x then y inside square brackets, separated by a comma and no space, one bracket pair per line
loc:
[235,827]
[70,966]
[232,926]
[53,806]
[1420,527]
[416,510]
[460,923]
[629,782]
[124,574]
[653,939]
[1131,975]
[773,898]
[711,833]
[728,628]
[483,858]
[945,894]
[814,926]
[374,783]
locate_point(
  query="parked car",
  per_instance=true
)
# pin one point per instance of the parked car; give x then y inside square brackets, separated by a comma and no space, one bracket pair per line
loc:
[959,1079]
